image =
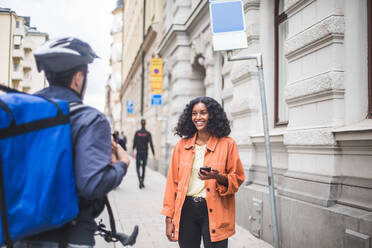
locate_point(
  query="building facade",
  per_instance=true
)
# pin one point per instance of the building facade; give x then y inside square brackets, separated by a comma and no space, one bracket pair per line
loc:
[141,36]
[113,108]
[317,57]
[17,43]
[318,89]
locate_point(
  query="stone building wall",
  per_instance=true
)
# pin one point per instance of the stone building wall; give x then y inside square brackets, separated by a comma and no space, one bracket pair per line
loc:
[322,156]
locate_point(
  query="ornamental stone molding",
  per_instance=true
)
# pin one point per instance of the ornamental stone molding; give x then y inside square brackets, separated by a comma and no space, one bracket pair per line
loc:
[168,64]
[251,5]
[227,93]
[243,71]
[253,31]
[332,80]
[209,56]
[209,77]
[291,6]
[198,46]
[242,107]
[310,137]
[332,26]
[227,67]
[166,67]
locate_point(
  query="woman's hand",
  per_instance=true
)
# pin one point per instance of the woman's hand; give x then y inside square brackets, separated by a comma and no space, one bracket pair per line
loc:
[205,175]
[169,229]
[213,174]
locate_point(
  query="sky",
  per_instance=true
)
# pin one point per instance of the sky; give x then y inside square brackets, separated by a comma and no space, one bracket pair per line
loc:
[89,20]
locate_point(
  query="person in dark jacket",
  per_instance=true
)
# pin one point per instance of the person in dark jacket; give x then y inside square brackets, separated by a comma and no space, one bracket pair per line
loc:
[119,140]
[100,164]
[123,140]
[141,140]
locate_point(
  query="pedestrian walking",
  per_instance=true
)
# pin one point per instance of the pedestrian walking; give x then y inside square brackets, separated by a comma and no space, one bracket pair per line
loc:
[204,174]
[140,143]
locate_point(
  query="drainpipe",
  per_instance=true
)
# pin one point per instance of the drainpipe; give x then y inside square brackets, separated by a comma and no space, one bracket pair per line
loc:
[10,46]
[143,59]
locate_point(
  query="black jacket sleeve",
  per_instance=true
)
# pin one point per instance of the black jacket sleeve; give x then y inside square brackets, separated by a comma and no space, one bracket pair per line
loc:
[151,145]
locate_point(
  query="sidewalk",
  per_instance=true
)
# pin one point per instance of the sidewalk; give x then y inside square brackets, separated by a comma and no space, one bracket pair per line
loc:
[133,206]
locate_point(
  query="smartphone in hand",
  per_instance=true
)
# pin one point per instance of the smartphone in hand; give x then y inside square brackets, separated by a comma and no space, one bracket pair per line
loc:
[205,168]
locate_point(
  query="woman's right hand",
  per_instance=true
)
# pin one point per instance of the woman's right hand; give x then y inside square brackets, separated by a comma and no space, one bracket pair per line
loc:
[169,229]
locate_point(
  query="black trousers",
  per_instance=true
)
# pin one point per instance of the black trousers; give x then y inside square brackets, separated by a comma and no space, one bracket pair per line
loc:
[141,160]
[194,224]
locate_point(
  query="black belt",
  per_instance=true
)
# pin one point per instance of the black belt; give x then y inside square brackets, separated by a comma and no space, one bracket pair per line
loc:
[196,199]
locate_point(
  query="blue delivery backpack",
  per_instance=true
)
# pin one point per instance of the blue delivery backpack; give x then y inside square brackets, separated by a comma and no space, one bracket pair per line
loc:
[37,179]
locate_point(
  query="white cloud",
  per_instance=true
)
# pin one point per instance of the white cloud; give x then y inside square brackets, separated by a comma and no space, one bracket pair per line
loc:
[85,19]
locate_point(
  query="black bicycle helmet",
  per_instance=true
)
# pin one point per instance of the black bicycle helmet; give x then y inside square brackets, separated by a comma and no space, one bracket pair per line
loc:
[63,54]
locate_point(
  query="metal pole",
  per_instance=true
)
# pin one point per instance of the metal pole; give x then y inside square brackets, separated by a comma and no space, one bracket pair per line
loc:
[268,153]
[143,59]
[258,58]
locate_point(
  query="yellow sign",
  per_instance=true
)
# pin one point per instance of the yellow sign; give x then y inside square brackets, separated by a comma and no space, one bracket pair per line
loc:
[156,67]
[156,85]
[156,78]
[156,91]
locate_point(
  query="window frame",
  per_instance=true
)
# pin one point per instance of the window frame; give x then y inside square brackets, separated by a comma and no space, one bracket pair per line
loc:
[369,32]
[278,19]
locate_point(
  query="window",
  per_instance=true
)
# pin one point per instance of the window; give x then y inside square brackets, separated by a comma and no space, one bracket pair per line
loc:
[17,24]
[281,64]
[16,65]
[17,41]
[369,17]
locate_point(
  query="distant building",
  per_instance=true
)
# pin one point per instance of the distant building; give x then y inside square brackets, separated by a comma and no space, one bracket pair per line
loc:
[141,37]
[317,57]
[107,109]
[18,40]
[113,108]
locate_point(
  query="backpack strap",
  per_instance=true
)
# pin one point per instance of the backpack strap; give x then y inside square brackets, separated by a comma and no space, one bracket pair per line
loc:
[4,214]
[76,106]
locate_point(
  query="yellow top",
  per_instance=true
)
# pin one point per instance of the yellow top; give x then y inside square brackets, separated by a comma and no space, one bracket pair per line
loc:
[196,186]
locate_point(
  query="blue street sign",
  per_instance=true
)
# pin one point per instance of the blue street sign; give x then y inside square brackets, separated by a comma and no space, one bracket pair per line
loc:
[227,24]
[130,107]
[156,100]
[227,16]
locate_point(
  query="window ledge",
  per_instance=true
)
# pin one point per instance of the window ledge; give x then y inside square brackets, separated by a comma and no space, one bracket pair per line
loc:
[276,135]
[357,131]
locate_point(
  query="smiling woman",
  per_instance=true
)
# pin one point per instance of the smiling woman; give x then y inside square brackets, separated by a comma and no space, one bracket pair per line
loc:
[218,124]
[204,174]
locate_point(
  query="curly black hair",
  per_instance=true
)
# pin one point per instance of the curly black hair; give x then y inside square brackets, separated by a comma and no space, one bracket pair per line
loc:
[218,125]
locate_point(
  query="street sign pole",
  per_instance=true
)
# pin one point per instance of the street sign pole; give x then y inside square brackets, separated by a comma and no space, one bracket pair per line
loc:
[259,64]
[228,33]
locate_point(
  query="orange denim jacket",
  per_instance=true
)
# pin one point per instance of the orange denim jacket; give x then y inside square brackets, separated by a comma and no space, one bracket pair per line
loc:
[221,154]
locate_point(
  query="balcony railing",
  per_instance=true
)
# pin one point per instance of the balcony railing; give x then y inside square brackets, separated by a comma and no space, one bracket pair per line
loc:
[27,44]
[19,31]
[17,76]
[18,53]
[27,64]
[26,83]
